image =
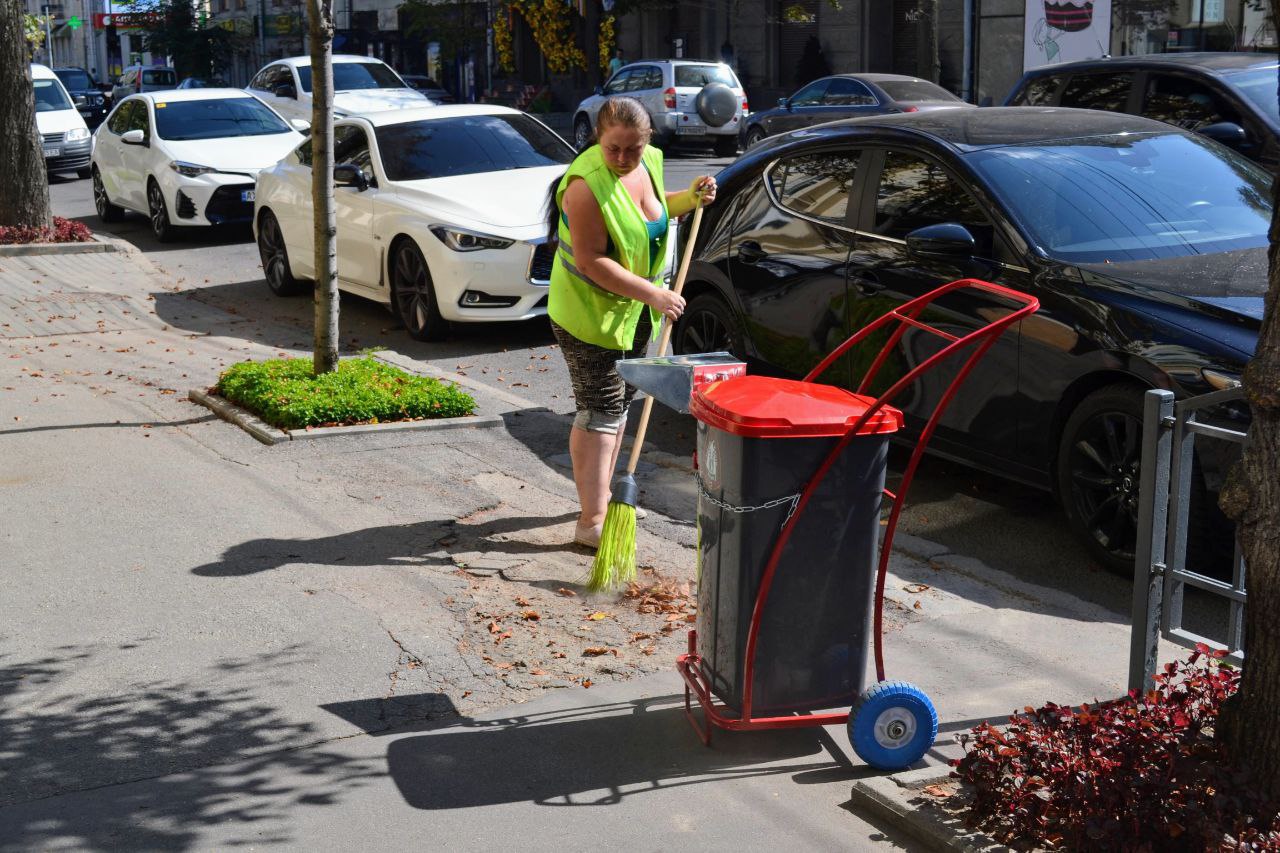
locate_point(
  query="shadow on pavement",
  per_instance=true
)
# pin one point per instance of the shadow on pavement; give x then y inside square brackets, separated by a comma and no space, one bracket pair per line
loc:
[59,741]
[596,756]
[114,425]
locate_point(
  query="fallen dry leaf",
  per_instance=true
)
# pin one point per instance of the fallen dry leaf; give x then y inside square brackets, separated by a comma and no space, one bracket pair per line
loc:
[597,616]
[521,601]
[537,672]
[916,587]
[937,791]
[917,606]
[567,593]
[594,651]
[530,615]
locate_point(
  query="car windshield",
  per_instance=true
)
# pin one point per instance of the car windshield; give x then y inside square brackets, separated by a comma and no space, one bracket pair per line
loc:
[915,90]
[159,77]
[74,79]
[215,119]
[355,75]
[50,97]
[1259,86]
[1130,198]
[697,76]
[466,145]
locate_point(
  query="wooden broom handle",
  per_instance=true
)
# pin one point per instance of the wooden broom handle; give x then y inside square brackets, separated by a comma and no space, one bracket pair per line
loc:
[665,337]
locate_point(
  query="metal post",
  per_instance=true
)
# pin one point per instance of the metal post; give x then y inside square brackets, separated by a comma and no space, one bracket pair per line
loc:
[48,35]
[262,31]
[1149,550]
[966,74]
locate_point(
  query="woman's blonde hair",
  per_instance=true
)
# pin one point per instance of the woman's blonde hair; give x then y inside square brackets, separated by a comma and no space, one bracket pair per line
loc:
[623,112]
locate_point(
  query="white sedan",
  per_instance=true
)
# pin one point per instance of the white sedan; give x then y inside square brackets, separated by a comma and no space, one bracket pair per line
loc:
[441,214]
[187,157]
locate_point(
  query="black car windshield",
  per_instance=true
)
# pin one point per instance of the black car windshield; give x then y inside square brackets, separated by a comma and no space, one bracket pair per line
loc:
[915,90]
[215,119]
[701,75]
[74,79]
[49,96]
[466,145]
[355,75]
[1132,197]
[1259,86]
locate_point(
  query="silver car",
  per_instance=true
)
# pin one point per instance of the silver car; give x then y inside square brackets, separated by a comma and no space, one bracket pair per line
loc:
[687,99]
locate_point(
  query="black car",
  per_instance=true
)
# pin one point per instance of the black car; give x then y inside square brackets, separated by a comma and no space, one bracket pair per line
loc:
[1230,97]
[85,93]
[429,87]
[1146,246]
[847,96]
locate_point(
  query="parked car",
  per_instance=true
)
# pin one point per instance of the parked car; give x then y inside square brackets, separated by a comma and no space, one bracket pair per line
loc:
[85,93]
[1229,97]
[440,214]
[143,78]
[203,83]
[361,84]
[63,133]
[1145,244]
[848,96]
[186,157]
[430,88]
[687,99]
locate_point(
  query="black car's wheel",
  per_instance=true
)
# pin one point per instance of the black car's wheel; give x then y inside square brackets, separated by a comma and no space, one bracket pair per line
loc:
[727,146]
[159,214]
[414,296]
[707,325]
[582,133]
[755,136]
[107,211]
[275,257]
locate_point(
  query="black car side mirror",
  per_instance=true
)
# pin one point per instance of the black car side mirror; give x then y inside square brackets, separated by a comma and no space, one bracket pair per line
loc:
[1228,133]
[285,90]
[350,175]
[785,103]
[944,241]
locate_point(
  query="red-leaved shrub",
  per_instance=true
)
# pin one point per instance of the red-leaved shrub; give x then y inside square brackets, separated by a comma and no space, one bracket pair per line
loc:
[63,231]
[1135,774]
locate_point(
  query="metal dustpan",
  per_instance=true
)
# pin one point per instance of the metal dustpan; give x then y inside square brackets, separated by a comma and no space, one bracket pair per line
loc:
[671,379]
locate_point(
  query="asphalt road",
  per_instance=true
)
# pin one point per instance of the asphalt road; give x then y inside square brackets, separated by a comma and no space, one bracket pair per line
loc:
[1010,527]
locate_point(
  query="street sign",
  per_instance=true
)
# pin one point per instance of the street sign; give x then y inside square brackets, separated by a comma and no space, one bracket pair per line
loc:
[74,22]
[126,20]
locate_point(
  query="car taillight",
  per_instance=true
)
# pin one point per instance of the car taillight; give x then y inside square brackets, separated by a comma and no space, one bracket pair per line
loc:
[669,99]
[745,109]
[911,109]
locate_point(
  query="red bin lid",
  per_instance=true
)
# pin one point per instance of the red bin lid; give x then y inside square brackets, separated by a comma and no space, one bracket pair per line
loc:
[767,407]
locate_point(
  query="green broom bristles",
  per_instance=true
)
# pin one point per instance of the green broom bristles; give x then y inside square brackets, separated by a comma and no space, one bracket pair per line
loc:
[615,562]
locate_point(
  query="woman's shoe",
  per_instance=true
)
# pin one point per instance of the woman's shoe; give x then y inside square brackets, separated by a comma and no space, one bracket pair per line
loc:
[587,537]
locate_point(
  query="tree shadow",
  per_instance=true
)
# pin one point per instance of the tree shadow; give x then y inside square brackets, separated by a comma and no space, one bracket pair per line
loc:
[59,741]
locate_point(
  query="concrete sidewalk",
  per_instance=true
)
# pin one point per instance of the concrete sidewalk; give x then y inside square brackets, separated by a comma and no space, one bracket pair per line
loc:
[208,642]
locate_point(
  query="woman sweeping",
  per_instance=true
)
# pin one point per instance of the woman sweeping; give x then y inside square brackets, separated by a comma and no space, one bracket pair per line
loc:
[610,214]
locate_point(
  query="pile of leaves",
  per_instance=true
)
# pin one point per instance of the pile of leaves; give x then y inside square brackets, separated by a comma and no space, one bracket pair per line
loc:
[63,231]
[1139,773]
[287,394]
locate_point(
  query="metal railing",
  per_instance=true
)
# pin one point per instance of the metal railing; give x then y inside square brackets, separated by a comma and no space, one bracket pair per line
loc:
[1161,575]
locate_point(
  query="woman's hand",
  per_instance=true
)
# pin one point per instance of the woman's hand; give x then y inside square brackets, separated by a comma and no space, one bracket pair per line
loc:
[669,304]
[704,188]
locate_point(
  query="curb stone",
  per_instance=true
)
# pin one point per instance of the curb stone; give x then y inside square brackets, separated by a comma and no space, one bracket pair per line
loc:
[98,244]
[894,798]
[267,434]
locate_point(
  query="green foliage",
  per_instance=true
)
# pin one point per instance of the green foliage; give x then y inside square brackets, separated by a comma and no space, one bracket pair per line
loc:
[287,394]
[458,26]
[33,30]
[195,51]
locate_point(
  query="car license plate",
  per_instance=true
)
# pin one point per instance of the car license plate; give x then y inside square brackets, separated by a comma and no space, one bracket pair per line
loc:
[53,152]
[691,129]
[248,195]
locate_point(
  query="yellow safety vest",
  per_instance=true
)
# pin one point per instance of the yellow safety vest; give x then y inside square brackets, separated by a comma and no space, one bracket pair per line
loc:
[578,305]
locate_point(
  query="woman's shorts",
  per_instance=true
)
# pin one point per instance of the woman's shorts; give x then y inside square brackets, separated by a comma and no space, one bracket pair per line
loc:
[601,396]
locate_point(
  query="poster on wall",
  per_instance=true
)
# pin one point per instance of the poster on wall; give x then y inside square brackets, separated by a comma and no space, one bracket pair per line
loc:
[1065,30]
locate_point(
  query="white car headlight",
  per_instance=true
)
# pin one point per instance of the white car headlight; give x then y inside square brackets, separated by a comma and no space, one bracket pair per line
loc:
[461,240]
[76,134]
[190,170]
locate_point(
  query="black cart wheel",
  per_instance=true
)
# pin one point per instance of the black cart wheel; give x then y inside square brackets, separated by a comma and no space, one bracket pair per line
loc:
[414,296]
[161,226]
[707,325]
[275,257]
[107,211]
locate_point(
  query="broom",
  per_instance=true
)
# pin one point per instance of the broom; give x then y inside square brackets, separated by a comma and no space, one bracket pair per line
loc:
[615,562]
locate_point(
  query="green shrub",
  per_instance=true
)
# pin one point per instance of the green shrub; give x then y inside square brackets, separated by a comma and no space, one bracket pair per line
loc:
[285,393]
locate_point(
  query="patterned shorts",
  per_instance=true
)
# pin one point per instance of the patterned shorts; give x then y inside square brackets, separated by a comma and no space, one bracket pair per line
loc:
[601,396]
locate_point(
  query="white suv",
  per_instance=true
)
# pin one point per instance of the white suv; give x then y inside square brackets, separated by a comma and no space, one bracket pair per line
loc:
[686,98]
[361,84]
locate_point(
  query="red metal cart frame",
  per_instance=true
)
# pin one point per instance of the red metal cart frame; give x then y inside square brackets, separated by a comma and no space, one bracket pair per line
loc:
[905,316]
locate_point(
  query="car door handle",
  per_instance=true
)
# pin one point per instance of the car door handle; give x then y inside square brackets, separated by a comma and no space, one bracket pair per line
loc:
[749,252]
[868,283]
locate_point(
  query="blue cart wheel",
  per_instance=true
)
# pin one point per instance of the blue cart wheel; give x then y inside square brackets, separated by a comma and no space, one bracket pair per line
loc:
[892,725]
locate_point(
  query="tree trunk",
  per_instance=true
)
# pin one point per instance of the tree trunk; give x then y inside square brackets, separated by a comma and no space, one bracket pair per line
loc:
[24,184]
[1252,499]
[324,226]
